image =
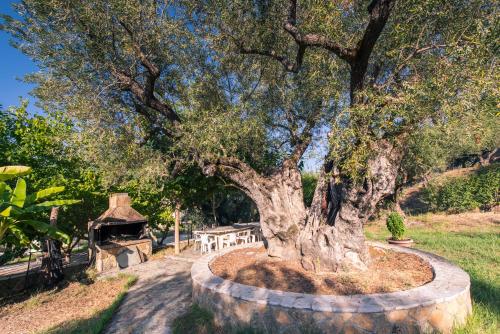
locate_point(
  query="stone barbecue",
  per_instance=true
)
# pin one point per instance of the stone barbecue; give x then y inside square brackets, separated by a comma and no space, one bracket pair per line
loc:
[118,238]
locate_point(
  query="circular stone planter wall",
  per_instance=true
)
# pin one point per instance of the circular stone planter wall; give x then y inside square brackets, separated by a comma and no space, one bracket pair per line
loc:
[436,306]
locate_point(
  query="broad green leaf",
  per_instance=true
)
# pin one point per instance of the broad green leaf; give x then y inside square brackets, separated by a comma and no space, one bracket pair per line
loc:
[58,202]
[19,234]
[19,193]
[43,194]
[51,231]
[4,206]
[45,205]
[5,192]
[6,212]
[10,172]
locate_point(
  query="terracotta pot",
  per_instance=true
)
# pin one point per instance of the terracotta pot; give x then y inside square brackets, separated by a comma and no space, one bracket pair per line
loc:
[403,243]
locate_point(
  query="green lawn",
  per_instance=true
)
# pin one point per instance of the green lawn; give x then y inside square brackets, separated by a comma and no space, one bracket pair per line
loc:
[476,249]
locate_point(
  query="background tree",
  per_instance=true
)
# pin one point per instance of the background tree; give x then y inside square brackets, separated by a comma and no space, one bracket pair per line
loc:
[41,142]
[241,88]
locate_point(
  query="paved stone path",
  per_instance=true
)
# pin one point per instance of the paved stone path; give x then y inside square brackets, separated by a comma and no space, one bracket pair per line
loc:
[162,293]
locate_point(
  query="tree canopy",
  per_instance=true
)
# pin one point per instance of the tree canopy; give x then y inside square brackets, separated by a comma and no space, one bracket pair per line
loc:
[241,89]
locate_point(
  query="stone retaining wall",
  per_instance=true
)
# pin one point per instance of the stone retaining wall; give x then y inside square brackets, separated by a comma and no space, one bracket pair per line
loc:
[436,306]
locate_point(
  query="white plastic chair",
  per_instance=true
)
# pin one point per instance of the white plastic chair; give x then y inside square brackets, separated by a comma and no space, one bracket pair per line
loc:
[244,236]
[207,241]
[197,239]
[229,240]
[257,234]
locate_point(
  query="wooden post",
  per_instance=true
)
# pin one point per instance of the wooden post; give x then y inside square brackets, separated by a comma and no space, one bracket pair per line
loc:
[177,225]
[27,270]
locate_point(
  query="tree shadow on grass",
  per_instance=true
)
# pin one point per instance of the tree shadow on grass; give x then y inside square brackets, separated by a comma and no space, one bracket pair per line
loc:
[486,293]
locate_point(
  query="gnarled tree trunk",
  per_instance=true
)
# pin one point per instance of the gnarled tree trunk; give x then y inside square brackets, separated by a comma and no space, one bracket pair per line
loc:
[329,236]
[282,212]
[332,237]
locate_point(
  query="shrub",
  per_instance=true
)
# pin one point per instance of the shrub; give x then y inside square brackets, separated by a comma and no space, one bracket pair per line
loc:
[309,181]
[479,190]
[396,226]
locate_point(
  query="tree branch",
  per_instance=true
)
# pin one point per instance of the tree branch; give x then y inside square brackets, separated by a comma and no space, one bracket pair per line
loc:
[235,170]
[151,67]
[379,14]
[287,64]
[303,141]
[313,40]
[145,96]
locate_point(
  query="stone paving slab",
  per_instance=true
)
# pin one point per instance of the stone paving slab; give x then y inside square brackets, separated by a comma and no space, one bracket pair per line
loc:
[161,294]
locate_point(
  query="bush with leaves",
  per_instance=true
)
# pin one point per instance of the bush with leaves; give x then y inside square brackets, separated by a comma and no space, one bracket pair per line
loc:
[18,223]
[309,181]
[459,194]
[395,224]
[42,142]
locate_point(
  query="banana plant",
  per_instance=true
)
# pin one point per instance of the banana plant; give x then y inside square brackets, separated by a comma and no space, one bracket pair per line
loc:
[17,208]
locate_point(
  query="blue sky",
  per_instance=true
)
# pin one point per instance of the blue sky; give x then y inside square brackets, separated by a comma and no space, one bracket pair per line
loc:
[14,65]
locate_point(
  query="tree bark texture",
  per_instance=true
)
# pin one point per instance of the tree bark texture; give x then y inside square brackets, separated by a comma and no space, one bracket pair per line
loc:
[333,239]
[329,235]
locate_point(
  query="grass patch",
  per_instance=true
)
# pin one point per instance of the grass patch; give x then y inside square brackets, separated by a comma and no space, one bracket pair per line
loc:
[201,321]
[77,305]
[196,320]
[476,250]
[100,319]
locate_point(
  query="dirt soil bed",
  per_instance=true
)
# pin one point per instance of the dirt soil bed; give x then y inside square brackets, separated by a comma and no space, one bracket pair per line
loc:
[389,271]
[58,307]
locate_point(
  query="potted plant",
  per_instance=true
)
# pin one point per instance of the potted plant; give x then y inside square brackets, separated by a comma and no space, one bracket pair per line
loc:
[395,224]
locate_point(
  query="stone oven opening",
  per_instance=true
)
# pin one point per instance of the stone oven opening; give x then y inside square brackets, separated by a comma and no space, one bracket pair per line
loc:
[118,238]
[116,233]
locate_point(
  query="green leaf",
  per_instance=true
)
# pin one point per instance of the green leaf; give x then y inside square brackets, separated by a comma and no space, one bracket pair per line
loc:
[43,194]
[45,205]
[10,172]
[19,235]
[19,193]
[6,212]
[58,202]
[5,192]
[51,231]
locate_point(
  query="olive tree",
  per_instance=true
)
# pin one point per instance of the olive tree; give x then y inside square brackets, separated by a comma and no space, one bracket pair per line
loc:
[243,88]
